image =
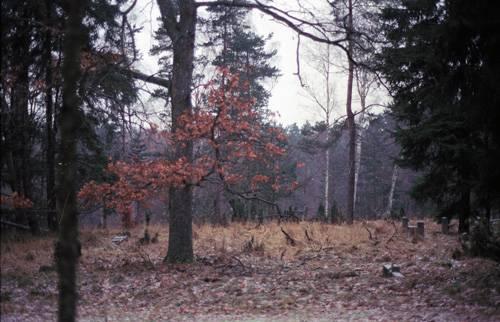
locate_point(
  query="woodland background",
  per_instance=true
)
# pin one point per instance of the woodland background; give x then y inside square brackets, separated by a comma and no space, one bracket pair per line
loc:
[89,140]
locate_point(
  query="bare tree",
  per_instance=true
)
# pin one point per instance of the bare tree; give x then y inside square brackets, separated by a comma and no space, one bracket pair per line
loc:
[350,117]
[323,100]
[365,82]
[390,198]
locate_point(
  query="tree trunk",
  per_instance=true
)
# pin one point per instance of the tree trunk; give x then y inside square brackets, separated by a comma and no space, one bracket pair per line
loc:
[68,247]
[464,212]
[181,27]
[327,181]
[359,143]
[22,126]
[350,122]
[390,199]
[219,215]
[52,221]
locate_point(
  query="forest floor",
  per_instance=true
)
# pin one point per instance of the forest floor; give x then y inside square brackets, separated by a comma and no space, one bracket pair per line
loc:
[248,273]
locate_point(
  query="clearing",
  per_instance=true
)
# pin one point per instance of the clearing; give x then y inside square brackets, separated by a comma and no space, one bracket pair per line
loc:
[248,273]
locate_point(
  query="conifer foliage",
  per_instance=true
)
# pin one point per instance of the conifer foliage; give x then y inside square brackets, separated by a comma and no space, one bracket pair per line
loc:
[441,63]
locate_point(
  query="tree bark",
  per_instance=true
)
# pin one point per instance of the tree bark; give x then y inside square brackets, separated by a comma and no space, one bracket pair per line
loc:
[180,25]
[390,199]
[350,121]
[363,88]
[68,247]
[464,212]
[327,181]
[52,221]
[359,143]
[21,125]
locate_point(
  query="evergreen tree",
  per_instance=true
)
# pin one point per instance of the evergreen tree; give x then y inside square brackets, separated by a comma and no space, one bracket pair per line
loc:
[32,86]
[67,248]
[441,63]
[241,50]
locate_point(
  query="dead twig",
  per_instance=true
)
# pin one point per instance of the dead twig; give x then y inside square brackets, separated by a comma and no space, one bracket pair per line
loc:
[282,254]
[145,258]
[289,240]
[393,234]
[307,235]
[370,236]
[239,261]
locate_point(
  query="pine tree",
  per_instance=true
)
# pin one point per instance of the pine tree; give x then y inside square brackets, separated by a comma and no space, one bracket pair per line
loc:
[241,50]
[442,67]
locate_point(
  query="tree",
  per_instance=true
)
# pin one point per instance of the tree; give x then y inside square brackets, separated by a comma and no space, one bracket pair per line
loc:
[365,81]
[31,93]
[352,19]
[229,42]
[351,124]
[441,65]
[325,102]
[179,23]
[241,50]
[18,120]
[68,247]
[233,137]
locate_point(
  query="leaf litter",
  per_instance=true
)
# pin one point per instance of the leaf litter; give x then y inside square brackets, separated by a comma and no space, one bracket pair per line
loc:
[332,273]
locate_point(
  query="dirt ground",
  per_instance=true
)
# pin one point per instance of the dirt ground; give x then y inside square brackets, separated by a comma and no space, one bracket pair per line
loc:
[248,273]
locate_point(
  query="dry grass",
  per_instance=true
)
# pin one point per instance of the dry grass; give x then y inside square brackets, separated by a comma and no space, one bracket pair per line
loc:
[268,240]
[250,269]
[25,257]
[271,241]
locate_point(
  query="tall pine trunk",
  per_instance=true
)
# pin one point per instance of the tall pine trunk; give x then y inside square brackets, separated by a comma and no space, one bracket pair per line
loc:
[52,221]
[350,121]
[180,25]
[68,247]
[22,126]
[465,211]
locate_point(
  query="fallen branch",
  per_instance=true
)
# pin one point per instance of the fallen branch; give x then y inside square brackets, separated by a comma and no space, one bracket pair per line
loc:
[238,260]
[9,223]
[289,240]
[23,227]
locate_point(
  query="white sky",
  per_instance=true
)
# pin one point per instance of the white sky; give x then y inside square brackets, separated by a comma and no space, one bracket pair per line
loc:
[288,98]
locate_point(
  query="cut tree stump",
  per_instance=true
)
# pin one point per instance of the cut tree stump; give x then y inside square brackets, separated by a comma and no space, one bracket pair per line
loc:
[119,239]
[404,224]
[445,225]
[421,229]
[412,231]
[391,270]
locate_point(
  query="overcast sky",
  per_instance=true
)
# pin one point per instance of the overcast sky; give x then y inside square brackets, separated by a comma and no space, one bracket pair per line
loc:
[288,99]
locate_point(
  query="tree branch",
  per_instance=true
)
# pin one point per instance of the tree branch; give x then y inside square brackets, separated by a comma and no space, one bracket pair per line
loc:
[147,78]
[280,15]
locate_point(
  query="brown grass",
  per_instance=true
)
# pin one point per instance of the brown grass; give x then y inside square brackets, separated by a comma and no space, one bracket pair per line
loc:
[272,240]
[28,256]
[252,268]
